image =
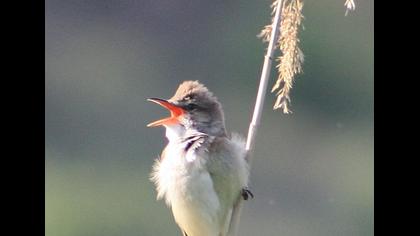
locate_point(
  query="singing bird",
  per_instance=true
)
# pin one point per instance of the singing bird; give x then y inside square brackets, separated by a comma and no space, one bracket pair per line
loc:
[202,172]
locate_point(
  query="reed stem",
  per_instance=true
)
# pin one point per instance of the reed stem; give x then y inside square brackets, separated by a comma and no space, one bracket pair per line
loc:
[259,105]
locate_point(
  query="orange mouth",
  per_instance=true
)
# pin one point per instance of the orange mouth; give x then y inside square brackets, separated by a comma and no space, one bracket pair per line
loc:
[176,112]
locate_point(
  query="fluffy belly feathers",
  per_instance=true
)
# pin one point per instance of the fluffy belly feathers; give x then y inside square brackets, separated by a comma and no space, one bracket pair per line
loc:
[188,188]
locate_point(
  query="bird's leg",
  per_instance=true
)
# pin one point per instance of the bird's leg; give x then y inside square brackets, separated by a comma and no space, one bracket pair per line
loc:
[245,192]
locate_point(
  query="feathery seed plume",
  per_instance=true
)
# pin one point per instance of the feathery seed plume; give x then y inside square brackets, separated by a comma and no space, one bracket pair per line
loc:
[291,59]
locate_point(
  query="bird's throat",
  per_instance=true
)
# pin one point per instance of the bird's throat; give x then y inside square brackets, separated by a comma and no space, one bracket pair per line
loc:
[175,132]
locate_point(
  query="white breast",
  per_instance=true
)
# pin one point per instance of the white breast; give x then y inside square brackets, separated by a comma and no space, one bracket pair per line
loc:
[183,180]
[187,187]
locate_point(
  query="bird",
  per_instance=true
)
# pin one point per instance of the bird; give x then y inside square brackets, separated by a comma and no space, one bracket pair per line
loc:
[202,172]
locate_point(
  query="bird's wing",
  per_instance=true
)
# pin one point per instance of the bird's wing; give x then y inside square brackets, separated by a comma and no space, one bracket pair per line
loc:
[224,169]
[230,172]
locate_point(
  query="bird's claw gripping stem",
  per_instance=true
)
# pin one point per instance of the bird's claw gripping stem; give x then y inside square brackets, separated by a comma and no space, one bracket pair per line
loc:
[246,193]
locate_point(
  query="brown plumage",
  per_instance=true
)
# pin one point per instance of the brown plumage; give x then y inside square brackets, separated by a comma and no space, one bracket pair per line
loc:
[202,172]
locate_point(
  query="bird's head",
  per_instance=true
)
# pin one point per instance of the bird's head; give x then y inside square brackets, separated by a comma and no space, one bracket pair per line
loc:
[193,107]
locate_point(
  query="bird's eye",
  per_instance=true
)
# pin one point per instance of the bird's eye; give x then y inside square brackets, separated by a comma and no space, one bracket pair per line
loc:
[191,106]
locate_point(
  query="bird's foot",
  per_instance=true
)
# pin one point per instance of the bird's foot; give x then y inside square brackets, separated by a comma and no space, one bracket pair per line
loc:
[246,193]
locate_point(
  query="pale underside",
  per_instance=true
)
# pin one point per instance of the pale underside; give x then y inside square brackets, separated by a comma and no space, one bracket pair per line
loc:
[201,188]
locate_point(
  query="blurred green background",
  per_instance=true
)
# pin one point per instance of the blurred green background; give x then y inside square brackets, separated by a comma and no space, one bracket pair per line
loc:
[313,170]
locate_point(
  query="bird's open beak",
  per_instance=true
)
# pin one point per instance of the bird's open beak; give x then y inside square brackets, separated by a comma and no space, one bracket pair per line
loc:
[176,112]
